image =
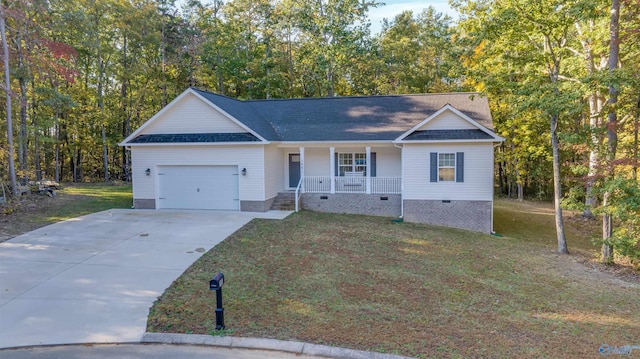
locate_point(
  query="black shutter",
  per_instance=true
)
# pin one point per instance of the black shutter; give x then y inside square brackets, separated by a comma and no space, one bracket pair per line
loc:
[336,168]
[460,167]
[373,164]
[434,167]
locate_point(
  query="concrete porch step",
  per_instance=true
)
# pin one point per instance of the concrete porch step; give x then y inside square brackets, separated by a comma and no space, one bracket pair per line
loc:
[285,201]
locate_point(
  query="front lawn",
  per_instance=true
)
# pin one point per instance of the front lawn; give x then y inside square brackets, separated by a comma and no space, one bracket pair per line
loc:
[367,283]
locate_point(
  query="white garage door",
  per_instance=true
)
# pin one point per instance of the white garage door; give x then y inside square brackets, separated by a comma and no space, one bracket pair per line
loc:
[198,187]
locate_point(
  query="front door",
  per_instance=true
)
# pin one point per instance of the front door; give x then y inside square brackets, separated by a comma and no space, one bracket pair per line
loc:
[294,170]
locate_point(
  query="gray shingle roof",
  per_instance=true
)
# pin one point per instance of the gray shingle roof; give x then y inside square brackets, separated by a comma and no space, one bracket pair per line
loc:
[195,137]
[431,135]
[243,113]
[364,118]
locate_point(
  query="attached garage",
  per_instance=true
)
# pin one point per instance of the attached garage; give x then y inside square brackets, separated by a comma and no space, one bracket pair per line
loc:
[198,187]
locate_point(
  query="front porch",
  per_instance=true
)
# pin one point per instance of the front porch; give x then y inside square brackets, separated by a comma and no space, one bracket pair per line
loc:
[345,169]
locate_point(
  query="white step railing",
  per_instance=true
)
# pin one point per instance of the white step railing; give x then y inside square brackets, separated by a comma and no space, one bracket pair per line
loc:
[298,193]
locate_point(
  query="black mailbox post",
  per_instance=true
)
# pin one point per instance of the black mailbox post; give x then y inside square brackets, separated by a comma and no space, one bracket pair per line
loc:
[216,284]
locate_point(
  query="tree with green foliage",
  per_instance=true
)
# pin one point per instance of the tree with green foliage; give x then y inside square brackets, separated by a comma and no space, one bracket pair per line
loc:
[7,89]
[532,40]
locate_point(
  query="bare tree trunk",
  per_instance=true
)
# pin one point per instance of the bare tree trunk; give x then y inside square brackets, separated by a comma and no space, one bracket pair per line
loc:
[57,150]
[7,84]
[22,81]
[126,110]
[518,179]
[56,126]
[557,189]
[595,107]
[23,142]
[553,64]
[594,111]
[36,135]
[163,65]
[612,134]
[77,176]
[635,141]
[101,66]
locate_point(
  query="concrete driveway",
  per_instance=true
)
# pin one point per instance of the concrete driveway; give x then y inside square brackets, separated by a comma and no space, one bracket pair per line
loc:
[92,279]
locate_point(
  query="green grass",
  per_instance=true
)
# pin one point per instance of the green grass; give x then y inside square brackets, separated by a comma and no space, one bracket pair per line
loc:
[367,283]
[34,211]
[91,198]
[535,222]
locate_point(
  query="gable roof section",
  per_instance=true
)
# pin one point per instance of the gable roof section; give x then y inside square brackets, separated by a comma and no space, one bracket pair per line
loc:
[420,132]
[241,112]
[138,137]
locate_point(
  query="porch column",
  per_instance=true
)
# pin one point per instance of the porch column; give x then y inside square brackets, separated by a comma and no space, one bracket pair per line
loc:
[368,170]
[302,169]
[332,169]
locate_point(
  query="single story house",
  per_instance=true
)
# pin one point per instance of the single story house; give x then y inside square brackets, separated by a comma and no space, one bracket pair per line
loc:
[427,158]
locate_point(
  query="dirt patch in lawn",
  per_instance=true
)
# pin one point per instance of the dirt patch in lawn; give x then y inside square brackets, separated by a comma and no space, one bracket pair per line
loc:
[367,283]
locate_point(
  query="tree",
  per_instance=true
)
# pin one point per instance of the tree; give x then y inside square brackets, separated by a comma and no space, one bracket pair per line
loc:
[534,37]
[612,134]
[7,89]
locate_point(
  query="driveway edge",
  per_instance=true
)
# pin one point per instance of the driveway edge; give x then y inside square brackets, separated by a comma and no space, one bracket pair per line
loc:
[265,344]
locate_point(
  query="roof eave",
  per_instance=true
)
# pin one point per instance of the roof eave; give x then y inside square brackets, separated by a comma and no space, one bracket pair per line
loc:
[193,143]
[323,142]
[496,139]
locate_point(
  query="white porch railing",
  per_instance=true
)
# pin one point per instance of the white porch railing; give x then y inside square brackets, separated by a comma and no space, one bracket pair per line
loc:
[352,184]
[317,184]
[386,185]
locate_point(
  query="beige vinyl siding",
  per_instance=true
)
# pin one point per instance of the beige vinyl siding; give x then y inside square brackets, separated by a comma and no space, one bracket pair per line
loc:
[388,161]
[478,173]
[447,120]
[251,186]
[273,171]
[192,115]
[317,162]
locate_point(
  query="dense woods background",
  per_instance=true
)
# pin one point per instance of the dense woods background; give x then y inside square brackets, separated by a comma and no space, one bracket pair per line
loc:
[562,76]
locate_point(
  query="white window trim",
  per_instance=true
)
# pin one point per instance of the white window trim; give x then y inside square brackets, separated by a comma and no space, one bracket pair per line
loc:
[353,164]
[454,166]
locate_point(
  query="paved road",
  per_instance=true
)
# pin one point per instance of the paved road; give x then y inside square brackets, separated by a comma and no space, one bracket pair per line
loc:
[139,351]
[92,279]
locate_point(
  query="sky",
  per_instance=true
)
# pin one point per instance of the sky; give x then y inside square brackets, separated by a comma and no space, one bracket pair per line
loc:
[395,7]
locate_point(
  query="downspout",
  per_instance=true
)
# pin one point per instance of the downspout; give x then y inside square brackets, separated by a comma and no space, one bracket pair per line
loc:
[402,181]
[493,194]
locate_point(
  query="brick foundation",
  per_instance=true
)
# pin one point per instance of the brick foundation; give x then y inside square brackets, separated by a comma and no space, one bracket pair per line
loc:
[353,203]
[256,206]
[142,203]
[472,215]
